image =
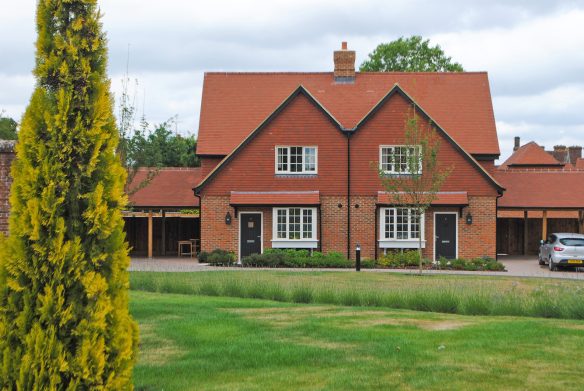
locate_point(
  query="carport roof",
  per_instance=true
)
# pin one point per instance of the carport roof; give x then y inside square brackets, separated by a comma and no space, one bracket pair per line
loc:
[551,189]
[170,187]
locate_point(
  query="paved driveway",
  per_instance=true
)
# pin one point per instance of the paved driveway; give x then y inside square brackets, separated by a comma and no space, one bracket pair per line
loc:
[516,266]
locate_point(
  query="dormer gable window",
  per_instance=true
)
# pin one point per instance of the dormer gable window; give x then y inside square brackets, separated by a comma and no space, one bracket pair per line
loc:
[296,160]
[400,159]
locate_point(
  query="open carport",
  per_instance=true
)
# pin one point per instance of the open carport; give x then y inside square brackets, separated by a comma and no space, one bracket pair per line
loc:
[535,204]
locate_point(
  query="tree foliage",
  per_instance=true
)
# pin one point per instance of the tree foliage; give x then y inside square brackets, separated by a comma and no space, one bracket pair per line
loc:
[8,128]
[64,320]
[413,54]
[162,148]
[422,174]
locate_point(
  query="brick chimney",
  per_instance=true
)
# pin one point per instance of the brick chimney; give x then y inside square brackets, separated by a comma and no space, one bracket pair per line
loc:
[575,153]
[560,152]
[344,65]
[517,144]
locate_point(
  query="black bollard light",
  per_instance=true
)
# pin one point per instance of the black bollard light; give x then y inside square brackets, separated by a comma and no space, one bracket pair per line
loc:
[358,257]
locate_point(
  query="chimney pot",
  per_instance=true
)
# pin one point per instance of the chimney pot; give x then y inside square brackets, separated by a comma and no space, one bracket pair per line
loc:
[574,153]
[517,143]
[344,65]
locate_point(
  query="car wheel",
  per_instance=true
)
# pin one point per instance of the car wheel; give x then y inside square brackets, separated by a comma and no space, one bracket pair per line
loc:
[540,260]
[553,267]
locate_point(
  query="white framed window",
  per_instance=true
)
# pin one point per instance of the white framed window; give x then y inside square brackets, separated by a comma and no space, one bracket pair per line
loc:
[296,160]
[400,228]
[294,227]
[394,159]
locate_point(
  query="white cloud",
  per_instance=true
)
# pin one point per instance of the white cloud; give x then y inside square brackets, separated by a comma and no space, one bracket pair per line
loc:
[530,48]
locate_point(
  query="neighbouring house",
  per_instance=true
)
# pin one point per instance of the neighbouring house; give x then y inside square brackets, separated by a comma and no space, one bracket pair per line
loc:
[163,211]
[290,160]
[6,158]
[543,195]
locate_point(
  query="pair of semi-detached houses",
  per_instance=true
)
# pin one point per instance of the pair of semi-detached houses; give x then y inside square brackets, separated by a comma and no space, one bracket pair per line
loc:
[289,160]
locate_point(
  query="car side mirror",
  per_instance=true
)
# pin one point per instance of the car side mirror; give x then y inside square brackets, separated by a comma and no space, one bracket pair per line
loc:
[542,241]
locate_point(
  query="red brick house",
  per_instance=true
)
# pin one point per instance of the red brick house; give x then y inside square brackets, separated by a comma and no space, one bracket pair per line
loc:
[287,161]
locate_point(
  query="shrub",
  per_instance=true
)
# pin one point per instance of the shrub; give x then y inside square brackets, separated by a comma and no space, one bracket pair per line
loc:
[218,257]
[401,259]
[296,259]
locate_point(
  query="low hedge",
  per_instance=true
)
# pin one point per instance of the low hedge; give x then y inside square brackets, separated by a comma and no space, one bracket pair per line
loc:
[475,264]
[297,259]
[410,259]
[218,257]
[402,260]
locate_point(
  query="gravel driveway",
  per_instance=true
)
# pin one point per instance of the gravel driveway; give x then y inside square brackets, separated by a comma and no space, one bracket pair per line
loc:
[516,267]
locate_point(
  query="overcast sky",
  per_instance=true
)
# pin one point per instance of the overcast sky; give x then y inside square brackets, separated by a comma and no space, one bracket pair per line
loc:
[532,49]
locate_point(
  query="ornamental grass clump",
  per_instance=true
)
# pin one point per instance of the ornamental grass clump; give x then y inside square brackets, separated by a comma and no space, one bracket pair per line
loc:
[64,320]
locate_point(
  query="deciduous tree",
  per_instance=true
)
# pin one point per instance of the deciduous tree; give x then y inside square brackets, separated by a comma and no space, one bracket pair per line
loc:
[413,54]
[417,175]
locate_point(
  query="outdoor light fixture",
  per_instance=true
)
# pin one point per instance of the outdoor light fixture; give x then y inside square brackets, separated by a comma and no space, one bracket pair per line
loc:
[468,218]
[228,218]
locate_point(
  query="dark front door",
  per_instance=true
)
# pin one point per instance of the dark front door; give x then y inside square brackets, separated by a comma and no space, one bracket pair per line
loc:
[445,235]
[250,237]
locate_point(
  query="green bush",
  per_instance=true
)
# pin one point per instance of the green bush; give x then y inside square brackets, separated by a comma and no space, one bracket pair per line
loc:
[217,257]
[296,259]
[475,264]
[401,259]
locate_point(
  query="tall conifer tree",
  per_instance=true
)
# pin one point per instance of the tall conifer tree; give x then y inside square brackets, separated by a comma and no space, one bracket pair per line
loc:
[64,320]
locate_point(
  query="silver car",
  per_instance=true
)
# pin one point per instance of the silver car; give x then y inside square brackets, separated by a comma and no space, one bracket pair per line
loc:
[562,250]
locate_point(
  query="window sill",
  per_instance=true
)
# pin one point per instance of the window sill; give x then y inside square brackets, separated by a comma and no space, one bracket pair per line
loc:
[300,243]
[401,243]
[299,175]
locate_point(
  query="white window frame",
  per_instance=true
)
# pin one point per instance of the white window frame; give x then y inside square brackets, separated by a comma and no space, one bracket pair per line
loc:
[288,171]
[400,243]
[311,242]
[393,171]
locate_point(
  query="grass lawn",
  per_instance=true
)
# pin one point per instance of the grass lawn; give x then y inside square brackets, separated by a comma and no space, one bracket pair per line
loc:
[467,295]
[192,342]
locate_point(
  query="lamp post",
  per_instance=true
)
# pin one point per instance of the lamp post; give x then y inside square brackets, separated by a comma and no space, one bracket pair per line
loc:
[358,257]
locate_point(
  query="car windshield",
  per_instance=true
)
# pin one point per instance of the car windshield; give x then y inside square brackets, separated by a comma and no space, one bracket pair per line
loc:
[577,242]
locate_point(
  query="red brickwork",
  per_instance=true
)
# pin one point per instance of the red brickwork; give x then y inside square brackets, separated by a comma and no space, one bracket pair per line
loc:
[475,240]
[6,157]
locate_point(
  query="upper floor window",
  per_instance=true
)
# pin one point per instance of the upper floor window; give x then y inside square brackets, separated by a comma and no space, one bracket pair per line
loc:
[296,160]
[400,159]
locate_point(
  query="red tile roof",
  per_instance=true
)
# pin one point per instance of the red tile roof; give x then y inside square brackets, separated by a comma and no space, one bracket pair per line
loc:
[275,198]
[234,104]
[541,189]
[530,154]
[170,187]
[443,198]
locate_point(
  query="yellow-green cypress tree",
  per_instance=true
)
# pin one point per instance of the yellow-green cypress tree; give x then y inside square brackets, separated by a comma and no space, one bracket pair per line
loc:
[64,320]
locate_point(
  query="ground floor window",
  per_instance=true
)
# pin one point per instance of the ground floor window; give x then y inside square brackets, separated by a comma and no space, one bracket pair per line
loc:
[400,227]
[294,227]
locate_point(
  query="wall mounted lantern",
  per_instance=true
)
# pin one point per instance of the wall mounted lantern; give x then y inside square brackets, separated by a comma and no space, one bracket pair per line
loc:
[468,218]
[228,218]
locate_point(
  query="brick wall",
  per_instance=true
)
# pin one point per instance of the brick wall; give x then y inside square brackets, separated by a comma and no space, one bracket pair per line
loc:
[475,240]
[6,157]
